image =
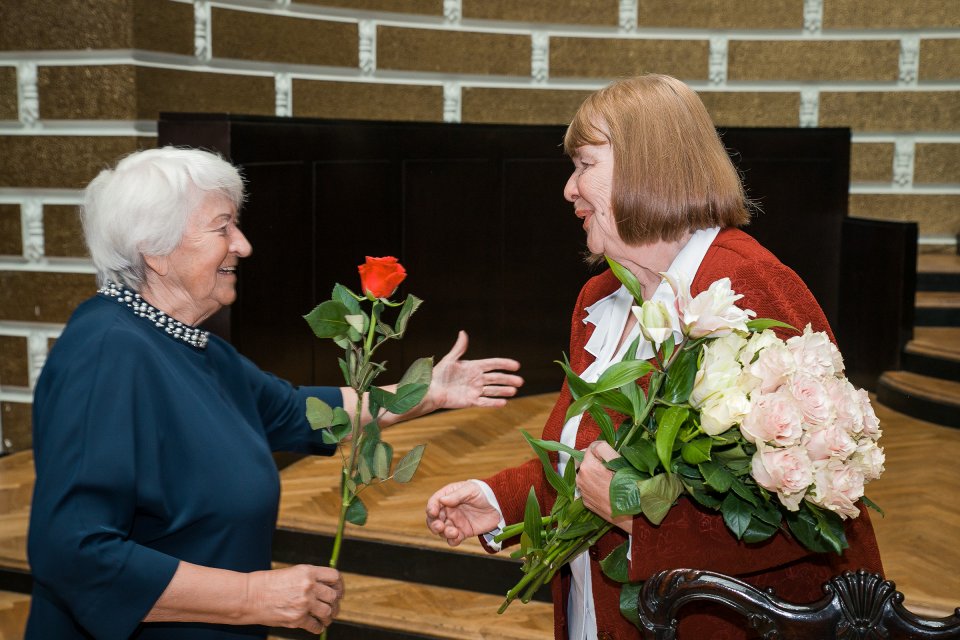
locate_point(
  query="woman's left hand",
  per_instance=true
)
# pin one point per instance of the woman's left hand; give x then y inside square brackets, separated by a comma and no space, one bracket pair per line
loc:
[593,481]
[460,383]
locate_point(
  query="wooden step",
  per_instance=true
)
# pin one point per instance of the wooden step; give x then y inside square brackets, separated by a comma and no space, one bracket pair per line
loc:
[923,397]
[935,352]
[937,308]
[938,272]
[14,609]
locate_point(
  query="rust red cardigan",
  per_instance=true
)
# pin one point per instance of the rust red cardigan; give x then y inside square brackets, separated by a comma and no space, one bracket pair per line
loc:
[691,536]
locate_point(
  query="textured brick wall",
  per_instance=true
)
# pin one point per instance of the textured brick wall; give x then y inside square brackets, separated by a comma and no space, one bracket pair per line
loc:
[82,82]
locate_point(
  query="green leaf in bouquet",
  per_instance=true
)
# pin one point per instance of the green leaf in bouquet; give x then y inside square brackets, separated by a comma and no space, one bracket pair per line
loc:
[319,413]
[632,392]
[667,348]
[736,514]
[553,445]
[668,425]
[728,454]
[626,277]
[615,401]
[768,512]
[328,319]
[531,520]
[873,505]
[616,565]
[382,457]
[624,492]
[408,464]
[576,530]
[716,475]
[605,422]
[657,495]
[685,470]
[758,531]
[698,492]
[631,352]
[742,490]
[578,386]
[830,527]
[804,526]
[680,376]
[629,596]
[621,373]
[549,471]
[411,304]
[642,455]
[356,512]
[696,451]
[762,324]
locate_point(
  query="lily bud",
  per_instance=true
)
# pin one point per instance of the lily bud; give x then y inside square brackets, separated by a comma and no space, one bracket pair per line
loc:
[654,320]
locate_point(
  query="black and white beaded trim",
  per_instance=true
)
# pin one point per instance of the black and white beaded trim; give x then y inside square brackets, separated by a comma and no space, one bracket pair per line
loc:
[140,307]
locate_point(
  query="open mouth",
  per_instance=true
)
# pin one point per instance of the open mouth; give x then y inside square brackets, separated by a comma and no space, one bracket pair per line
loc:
[232,271]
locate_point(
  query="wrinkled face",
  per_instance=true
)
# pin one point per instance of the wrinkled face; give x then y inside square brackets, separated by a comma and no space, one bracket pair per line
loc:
[203,269]
[590,189]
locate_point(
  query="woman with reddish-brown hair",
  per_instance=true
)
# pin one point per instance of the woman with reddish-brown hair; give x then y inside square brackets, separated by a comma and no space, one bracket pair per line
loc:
[656,192]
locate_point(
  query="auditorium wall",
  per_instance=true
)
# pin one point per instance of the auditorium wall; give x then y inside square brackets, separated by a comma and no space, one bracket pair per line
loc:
[82,83]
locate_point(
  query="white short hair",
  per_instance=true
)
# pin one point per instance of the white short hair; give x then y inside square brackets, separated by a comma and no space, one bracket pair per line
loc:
[141,207]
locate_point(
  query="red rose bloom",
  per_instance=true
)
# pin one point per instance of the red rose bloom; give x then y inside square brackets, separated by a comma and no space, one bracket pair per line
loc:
[380,277]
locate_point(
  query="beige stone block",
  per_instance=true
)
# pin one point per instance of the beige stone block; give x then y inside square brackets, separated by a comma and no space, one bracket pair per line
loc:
[891,14]
[13,362]
[620,57]
[721,14]
[67,162]
[520,106]
[367,101]
[426,7]
[62,231]
[934,214]
[87,93]
[257,36]
[11,232]
[8,94]
[817,61]
[33,296]
[452,51]
[17,430]
[34,25]
[891,110]
[176,90]
[871,162]
[937,163]
[579,12]
[939,59]
[163,25]
[752,109]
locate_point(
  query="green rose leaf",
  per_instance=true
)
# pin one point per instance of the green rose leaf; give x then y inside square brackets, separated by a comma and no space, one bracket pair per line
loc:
[716,475]
[382,456]
[408,464]
[758,531]
[365,471]
[411,304]
[803,526]
[357,322]
[319,413]
[744,492]
[624,492]
[696,451]
[336,433]
[669,423]
[420,372]
[328,319]
[642,455]
[629,596]
[531,520]
[657,495]
[356,512]
[406,398]
[346,297]
[736,514]
[616,566]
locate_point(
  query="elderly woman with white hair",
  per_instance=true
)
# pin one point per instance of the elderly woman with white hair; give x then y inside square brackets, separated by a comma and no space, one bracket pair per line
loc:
[156,494]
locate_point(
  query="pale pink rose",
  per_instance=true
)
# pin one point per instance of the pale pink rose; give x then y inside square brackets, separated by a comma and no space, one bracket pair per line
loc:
[828,441]
[722,411]
[719,370]
[774,418]
[788,472]
[712,313]
[812,398]
[815,354]
[837,487]
[847,408]
[869,458]
[772,367]
[871,425]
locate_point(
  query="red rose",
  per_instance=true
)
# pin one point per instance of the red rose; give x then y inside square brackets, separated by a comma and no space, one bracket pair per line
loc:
[380,277]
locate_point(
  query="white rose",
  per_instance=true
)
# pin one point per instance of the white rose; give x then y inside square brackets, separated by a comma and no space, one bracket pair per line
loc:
[722,411]
[720,369]
[757,342]
[772,367]
[871,425]
[712,313]
[869,458]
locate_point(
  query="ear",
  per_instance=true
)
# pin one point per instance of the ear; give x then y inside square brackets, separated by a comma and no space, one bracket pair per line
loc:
[158,264]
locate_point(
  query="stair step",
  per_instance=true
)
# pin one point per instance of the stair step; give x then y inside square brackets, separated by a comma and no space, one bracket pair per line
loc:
[937,308]
[934,351]
[932,399]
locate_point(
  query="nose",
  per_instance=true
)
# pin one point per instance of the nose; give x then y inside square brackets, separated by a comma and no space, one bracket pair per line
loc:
[239,244]
[570,189]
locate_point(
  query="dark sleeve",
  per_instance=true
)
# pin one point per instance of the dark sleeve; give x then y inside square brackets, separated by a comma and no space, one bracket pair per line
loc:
[86,417]
[282,410]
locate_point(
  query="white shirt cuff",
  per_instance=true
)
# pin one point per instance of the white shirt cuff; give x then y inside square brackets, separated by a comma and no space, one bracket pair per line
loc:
[492,499]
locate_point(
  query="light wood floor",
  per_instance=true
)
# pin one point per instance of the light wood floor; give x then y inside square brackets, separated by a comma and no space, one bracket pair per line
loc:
[919,538]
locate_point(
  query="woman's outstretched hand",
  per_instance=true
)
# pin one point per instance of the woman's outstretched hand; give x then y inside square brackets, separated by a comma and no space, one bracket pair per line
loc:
[460,383]
[459,511]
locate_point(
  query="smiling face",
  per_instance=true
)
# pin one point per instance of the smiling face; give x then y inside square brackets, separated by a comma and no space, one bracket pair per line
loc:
[590,189]
[200,275]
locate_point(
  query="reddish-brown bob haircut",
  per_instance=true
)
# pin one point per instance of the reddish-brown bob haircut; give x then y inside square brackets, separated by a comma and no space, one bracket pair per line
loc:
[671,173]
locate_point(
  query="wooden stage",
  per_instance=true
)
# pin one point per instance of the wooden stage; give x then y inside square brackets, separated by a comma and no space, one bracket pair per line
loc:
[402,582]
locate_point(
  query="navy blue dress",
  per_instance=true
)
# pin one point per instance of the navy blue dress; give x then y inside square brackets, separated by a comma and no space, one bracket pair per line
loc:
[150,451]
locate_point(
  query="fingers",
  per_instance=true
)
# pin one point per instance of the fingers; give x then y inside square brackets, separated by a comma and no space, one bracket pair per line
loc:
[502,364]
[459,347]
[602,451]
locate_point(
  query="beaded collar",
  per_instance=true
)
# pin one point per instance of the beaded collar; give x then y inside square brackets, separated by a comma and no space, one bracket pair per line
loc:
[140,307]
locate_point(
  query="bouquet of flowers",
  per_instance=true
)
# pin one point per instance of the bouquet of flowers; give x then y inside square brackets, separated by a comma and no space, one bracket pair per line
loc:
[766,431]
[366,458]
